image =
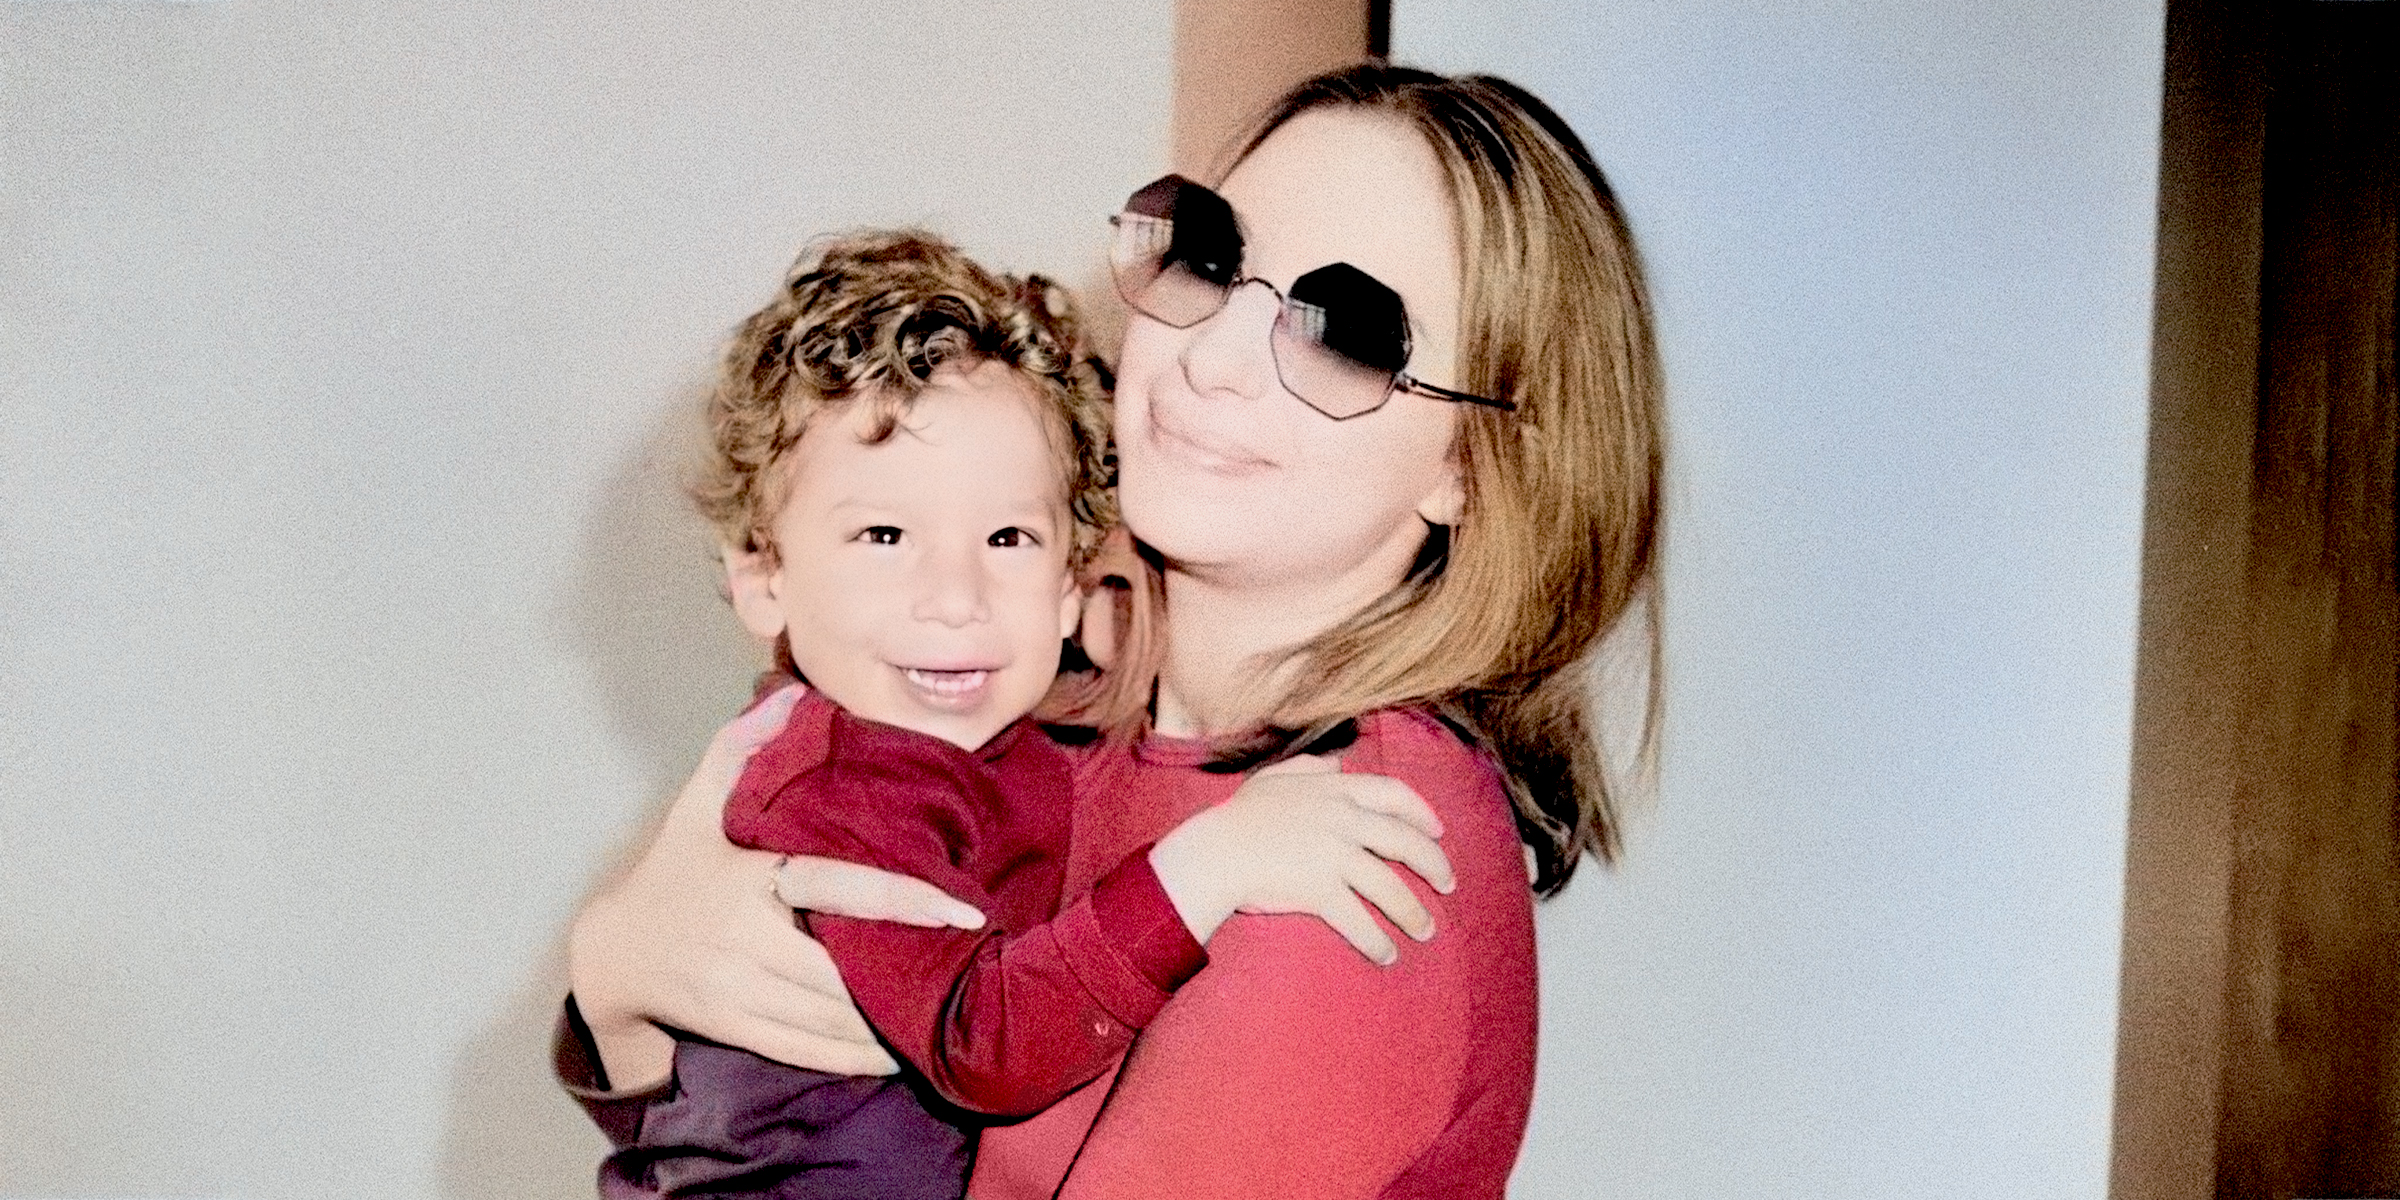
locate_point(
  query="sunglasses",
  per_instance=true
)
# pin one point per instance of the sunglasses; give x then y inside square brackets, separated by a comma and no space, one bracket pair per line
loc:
[1340,340]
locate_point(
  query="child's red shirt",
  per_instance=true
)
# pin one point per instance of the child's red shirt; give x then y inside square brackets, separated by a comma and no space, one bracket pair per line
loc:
[1001,1020]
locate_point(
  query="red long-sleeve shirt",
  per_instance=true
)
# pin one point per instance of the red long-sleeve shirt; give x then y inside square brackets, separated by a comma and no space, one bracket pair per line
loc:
[1005,1019]
[1293,1068]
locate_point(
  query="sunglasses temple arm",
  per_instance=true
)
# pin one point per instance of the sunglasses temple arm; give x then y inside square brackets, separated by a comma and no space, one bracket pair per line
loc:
[1422,388]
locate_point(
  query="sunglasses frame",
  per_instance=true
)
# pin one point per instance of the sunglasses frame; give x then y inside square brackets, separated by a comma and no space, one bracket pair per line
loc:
[1401,380]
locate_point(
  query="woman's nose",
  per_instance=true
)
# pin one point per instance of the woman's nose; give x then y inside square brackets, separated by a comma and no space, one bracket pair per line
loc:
[951,589]
[1229,353]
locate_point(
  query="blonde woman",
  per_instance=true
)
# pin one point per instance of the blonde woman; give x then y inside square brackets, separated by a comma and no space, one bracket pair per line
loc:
[1388,430]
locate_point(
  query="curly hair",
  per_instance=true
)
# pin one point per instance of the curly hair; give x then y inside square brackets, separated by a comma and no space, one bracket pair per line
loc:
[868,317]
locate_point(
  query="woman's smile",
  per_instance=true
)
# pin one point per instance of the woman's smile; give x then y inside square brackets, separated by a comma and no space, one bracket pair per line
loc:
[1214,455]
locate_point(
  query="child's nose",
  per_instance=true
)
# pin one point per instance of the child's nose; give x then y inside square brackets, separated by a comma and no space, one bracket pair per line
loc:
[952,590]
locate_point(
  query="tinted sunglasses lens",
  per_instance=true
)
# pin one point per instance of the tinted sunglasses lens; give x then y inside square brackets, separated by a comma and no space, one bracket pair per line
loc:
[1341,339]
[1151,280]
[1176,251]
[1331,383]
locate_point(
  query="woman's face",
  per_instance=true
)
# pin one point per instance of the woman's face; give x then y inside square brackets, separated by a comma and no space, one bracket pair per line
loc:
[1228,474]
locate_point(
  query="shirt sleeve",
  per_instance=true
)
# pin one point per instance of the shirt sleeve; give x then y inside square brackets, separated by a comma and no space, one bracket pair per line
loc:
[575,1059]
[1293,1067]
[999,1022]
[728,1123]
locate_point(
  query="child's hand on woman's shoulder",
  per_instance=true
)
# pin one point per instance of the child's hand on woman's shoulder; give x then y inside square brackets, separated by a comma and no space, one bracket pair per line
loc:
[1302,837]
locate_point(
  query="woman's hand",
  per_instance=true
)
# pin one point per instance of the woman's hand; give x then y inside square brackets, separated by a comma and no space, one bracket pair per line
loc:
[1301,837]
[694,937]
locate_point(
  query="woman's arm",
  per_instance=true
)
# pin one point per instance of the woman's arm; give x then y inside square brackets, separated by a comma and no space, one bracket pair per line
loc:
[695,937]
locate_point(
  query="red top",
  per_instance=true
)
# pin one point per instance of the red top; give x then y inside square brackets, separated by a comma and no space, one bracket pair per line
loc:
[1293,1068]
[1003,1019]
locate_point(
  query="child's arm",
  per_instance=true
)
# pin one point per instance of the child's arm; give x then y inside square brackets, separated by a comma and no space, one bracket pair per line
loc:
[1001,1021]
[1301,837]
[1005,1023]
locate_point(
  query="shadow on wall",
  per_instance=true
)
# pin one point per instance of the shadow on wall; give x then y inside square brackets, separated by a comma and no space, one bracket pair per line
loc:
[645,612]
[671,665]
[65,1030]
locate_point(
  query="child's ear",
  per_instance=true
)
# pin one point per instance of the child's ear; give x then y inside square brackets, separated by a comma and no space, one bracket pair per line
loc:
[1070,608]
[754,582]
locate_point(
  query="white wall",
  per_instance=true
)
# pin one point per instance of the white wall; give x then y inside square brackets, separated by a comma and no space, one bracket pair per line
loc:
[347,620]
[1866,945]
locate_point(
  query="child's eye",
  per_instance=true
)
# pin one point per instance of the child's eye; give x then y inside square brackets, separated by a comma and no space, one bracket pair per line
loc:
[1012,536]
[880,535]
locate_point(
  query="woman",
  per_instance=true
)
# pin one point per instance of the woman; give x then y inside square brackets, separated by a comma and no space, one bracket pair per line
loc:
[1387,418]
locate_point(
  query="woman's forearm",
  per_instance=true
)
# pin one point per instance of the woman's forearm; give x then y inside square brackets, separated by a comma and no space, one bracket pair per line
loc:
[633,1052]
[693,937]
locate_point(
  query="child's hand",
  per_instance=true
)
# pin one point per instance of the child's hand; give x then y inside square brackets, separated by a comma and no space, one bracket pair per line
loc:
[1301,837]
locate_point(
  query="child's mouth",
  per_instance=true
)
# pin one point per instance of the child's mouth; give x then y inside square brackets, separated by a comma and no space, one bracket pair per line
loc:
[948,688]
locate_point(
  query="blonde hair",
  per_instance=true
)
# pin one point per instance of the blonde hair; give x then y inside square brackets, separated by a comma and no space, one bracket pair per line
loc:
[868,317]
[1494,629]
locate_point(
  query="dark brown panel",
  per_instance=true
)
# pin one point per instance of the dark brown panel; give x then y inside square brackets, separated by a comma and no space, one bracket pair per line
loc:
[2260,1038]
[2196,520]
[1234,57]
[2314,988]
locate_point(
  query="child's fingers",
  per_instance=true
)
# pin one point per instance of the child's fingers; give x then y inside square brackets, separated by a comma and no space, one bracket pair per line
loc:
[1349,918]
[1378,884]
[1404,844]
[829,885]
[1392,798]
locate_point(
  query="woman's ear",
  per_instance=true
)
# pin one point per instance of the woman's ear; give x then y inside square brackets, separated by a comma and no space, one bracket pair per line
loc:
[754,582]
[1447,502]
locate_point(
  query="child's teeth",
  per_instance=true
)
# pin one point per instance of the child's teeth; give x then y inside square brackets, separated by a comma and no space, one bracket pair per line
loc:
[957,682]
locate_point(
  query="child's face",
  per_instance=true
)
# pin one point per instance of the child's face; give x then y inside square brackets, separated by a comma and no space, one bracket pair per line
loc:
[923,580]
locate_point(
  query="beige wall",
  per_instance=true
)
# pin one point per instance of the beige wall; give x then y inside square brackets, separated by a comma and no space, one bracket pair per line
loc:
[348,623]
